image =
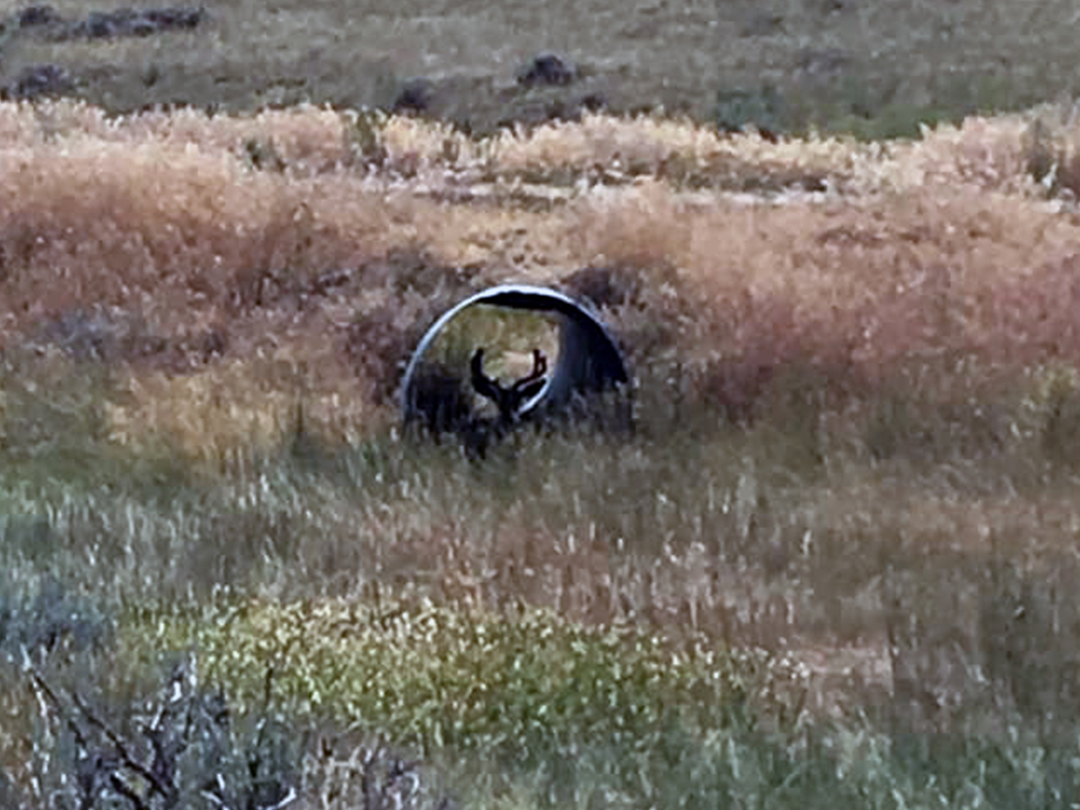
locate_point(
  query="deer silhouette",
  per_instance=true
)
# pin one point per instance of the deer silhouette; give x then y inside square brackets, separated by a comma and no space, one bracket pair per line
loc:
[509,400]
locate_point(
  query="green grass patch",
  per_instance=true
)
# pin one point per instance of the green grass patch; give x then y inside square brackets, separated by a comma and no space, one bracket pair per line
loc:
[523,687]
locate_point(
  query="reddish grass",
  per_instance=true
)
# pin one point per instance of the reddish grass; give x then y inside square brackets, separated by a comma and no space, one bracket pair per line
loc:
[943,262]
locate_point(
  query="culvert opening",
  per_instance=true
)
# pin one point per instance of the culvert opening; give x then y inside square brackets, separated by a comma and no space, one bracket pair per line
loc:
[515,355]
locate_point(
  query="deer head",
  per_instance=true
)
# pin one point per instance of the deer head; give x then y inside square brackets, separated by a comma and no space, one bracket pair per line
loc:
[509,399]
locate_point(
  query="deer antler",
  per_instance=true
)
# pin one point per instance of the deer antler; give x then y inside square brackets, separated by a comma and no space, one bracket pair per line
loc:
[531,385]
[484,385]
[508,400]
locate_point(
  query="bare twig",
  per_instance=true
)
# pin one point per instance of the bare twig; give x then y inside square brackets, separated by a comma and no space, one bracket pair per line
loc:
[124,789]
[164,790]
[43,685]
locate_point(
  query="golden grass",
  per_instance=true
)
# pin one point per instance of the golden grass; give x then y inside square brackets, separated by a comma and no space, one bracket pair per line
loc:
[999,152]
[931,249]
[229,413]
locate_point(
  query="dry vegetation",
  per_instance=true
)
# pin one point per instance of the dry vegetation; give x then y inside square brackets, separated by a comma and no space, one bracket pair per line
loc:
[875,67]
[857,455]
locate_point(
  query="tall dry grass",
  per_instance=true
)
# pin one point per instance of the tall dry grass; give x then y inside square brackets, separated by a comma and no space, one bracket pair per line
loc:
[939,263]
[937,291]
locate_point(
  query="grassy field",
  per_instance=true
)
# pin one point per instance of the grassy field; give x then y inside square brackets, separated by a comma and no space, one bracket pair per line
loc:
[831,568]
[876,68]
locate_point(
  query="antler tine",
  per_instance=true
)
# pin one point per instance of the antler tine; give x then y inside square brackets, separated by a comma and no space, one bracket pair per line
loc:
[476,366]
[531,385]
[485,386]
[538,372]
[539,363]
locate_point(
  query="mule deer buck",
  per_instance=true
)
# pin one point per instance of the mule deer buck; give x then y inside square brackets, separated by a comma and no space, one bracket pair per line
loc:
[573,388]
[509,400]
